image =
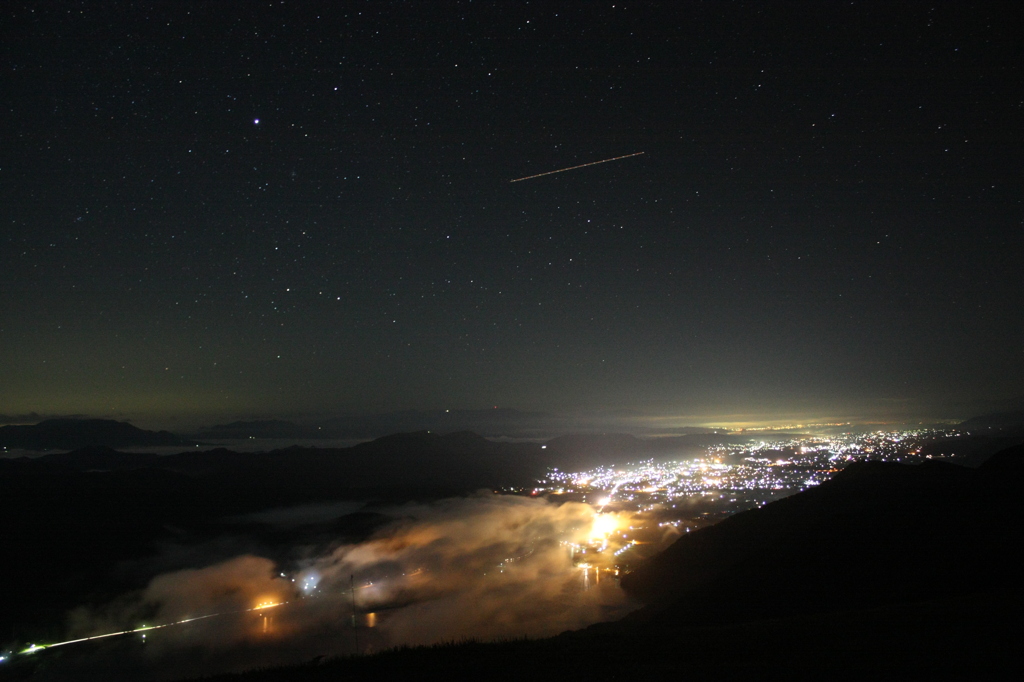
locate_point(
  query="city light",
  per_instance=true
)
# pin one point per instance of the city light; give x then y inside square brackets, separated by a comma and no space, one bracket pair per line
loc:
[642,506]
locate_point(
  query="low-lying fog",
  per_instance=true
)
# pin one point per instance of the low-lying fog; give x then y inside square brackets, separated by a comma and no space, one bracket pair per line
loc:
[485,567]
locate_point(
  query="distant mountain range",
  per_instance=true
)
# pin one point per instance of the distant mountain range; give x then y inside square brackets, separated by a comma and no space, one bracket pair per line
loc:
[70,434]
[575,450]
[999,421]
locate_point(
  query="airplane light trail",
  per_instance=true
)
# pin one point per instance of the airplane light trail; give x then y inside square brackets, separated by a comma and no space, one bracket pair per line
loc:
[582,165]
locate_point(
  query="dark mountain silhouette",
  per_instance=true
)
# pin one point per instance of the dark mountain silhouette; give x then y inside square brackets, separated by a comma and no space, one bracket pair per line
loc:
[69,434]
[981,437]
[1004,469]
[101,458]
[974,448]
[27,417]
[1002,421]
[458,461]
[952,639]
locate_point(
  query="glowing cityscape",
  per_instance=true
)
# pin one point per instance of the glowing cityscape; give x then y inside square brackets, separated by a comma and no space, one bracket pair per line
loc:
[649,503]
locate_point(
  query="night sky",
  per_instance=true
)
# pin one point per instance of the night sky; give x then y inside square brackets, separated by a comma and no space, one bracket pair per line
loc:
[223,210]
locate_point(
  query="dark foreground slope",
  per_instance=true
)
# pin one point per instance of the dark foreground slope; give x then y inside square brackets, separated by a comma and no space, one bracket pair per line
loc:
[876,533]
[959,639]
[885,572]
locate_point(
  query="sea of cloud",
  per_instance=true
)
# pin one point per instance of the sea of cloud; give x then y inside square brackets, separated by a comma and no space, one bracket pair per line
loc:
[480,567]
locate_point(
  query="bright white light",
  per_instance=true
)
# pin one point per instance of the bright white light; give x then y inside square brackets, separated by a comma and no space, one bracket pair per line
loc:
[309,581]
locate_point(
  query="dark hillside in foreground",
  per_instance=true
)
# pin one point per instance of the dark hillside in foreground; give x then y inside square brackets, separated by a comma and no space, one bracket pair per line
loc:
[964,638]
[876,533]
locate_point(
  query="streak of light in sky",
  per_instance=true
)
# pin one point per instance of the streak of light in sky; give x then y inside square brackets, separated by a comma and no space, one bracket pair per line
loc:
[582,165]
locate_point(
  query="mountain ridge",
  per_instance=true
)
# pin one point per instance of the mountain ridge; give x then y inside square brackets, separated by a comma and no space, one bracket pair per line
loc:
[71,434]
